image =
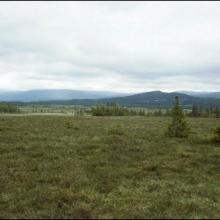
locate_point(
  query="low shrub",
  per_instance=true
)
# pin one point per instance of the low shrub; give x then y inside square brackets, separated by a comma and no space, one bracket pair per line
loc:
[116,130]
[217,134]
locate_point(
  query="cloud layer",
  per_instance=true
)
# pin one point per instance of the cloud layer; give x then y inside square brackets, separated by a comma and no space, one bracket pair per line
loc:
[115,46]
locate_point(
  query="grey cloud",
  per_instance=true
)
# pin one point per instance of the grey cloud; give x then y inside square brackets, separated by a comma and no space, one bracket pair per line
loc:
[130,46]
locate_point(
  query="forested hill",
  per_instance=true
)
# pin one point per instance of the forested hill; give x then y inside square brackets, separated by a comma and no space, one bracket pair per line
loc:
[202,94]
[162,99]
[147,99]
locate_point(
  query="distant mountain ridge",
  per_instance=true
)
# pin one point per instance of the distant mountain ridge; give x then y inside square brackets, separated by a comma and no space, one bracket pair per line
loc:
[202,94]
[162,99]
[50,95]
[146,99]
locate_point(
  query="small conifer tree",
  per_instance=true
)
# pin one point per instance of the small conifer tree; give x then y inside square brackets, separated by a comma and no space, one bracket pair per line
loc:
[178,126]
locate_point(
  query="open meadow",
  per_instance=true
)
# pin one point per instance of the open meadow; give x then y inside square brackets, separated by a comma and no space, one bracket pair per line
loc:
[107,167]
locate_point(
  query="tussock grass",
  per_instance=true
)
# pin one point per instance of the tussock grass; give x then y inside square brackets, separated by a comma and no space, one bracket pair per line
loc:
[107,167]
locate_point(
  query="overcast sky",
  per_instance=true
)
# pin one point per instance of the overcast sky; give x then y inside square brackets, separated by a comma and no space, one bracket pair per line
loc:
[114,46]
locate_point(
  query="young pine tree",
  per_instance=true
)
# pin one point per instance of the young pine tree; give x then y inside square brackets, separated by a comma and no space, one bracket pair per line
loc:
[178,126]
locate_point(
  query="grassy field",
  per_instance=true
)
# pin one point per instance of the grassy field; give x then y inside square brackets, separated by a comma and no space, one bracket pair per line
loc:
[107,167]
[52,109]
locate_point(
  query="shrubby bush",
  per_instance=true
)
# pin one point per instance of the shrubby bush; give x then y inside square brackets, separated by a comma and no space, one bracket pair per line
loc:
[217,134]
[117,130]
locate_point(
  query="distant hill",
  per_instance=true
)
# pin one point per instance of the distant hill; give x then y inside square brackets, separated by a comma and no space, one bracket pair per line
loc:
[212,94]
[162,99]
[147,99]
[202,94]
[50,95]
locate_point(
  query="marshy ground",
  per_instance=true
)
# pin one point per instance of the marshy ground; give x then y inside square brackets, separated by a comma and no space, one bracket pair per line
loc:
[107,167]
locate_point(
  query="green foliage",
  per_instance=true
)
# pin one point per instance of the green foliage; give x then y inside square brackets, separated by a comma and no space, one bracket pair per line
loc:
[8,108]
[109,110]
[217,134]
[178,126]
[113,109]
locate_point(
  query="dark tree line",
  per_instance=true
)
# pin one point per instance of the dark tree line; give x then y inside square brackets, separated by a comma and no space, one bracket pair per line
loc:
[113,109]
[8,108]
[195,111]
[198,111]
